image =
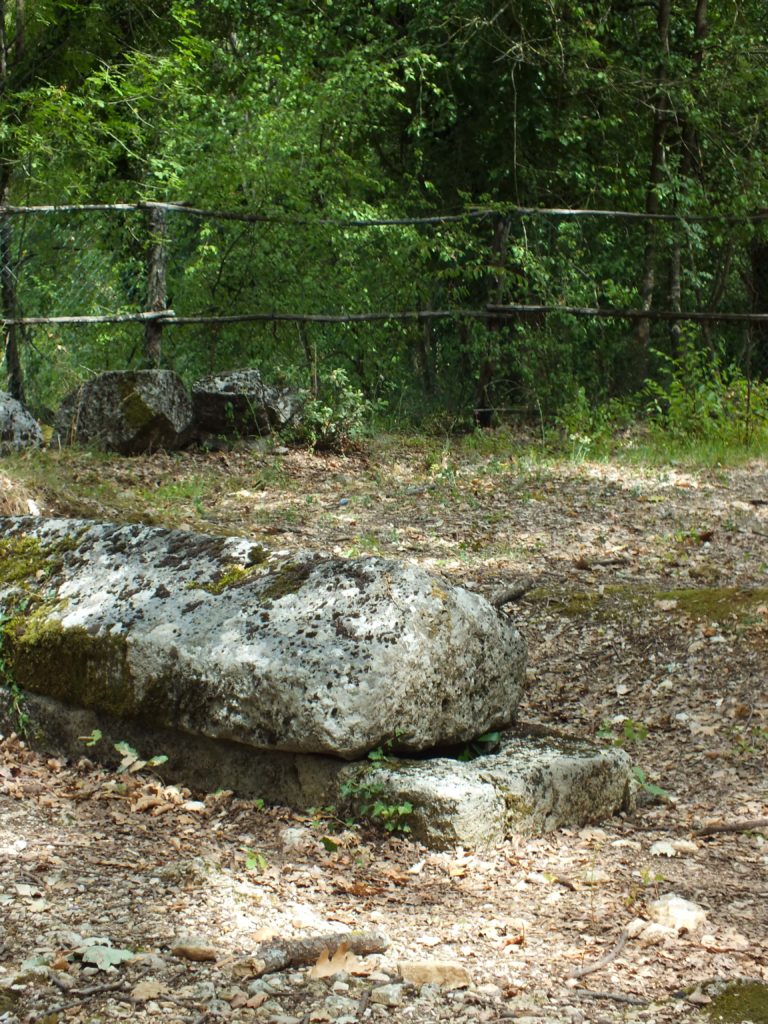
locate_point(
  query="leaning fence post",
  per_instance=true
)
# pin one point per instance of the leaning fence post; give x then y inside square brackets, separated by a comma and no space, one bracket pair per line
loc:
[157,254]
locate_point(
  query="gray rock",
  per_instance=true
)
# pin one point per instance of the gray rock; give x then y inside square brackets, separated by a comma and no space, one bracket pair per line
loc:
[131,412]
[240,403]
[388,995]
[535,783]
[18,428]
[214,637]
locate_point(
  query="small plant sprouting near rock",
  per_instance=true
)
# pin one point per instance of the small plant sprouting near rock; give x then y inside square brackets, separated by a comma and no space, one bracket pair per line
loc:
[368,800]
[488,743]
[131,761]
[631,732]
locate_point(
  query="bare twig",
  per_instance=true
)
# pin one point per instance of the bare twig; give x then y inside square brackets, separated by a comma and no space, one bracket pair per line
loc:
[749,825]
[82,996]
[581,972]
[617,997]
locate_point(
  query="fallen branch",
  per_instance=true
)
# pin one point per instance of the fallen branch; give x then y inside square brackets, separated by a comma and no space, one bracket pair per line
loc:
[750,825]
[82,995]
[278,954]
[580,972]
[617,997]
[513,593]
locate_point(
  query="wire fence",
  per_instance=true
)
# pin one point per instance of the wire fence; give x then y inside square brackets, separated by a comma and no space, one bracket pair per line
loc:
[110,286]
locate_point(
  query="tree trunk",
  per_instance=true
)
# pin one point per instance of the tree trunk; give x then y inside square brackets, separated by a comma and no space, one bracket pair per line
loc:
[688,163]
[156,285]
[484,399]
[13,333]
[655,172]
[758,289]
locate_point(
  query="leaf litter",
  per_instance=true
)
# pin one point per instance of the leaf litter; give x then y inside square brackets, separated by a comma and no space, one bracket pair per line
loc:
[551,928]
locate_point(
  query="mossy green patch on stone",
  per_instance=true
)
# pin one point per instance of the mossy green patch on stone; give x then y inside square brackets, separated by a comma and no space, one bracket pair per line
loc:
[70,664]
[288,579]
[231,576]
[740,1002]
[23,559]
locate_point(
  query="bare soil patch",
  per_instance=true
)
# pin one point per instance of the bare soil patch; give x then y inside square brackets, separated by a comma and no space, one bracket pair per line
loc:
[649,607]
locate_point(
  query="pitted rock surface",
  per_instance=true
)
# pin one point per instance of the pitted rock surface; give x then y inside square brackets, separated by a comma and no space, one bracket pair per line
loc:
[240,402]
[128,412]
[216,637]
[18,428]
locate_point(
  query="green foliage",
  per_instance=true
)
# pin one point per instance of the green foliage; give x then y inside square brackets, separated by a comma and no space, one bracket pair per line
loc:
[631,733]
[697,397]
[488,743]
[340,419]
[254,860]
[366,797]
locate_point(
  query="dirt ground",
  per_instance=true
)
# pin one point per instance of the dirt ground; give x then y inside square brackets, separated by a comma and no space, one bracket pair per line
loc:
[647,625]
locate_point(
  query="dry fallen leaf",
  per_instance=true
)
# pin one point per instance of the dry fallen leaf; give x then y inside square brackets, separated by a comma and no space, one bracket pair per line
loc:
[148,990]
[342,960]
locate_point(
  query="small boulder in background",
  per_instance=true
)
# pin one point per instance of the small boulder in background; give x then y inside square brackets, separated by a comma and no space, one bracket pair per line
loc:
[18,428]
[240,402]
[127,412]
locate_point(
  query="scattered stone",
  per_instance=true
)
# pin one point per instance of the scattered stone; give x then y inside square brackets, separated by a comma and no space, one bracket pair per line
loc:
[18,428]
[388,995]
[127,412]
[673,911]
[240,403]
[189,947]
[445,973]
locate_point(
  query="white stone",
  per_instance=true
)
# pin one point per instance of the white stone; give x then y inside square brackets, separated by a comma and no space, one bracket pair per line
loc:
[214,637]
[675,912]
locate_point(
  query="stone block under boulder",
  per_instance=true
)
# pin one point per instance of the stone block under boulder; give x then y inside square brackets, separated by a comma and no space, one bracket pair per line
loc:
[241,403]
[129,412]
[216,637]
[18,428]
[538,780]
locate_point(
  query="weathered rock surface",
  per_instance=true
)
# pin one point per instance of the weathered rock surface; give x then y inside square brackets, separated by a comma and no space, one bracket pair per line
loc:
[241,403]
[214,637]
[536,782]
[127,412]
[18,428]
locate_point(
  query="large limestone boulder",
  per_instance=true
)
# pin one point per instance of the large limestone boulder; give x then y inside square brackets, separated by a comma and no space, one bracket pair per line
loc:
[216,637]
[128,412]
[240,402]
[18,428]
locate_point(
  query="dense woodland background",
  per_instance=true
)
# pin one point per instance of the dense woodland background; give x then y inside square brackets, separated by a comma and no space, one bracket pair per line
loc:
[477,126]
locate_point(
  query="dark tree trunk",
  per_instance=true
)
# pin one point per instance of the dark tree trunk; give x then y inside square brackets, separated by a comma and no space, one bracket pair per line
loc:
[655,172]
[484,397]
[13,332]
[758,289]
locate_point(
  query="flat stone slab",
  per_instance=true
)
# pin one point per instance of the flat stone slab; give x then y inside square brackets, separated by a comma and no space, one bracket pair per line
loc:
[216,637]
[537,782]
